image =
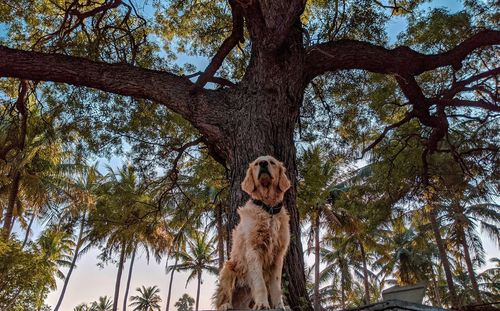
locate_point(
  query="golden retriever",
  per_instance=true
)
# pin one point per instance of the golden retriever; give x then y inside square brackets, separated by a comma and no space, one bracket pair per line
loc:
[252,275]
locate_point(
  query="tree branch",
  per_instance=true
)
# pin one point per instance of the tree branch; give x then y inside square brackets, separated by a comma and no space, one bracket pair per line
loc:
[162,87]
[386,130]
[226,47]
[351,54]
[455,102]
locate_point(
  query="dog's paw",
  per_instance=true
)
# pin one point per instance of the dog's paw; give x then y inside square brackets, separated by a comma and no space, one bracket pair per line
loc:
[261,306]
[224,307]
[280,305]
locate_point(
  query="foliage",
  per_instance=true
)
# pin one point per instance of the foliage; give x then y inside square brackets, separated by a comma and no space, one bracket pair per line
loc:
[185,303]
[147,300]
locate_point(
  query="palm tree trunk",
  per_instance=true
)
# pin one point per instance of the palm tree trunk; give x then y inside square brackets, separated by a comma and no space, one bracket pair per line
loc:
[432,214]
[16,174]
[443,257]
[342,289]
[470,267]
[118,278]
[435,282]
[365,273]
[73,263]
[459,216]
[28,230]
[169,295]
[316,261]
[129,278]
[220,235]
[198,291]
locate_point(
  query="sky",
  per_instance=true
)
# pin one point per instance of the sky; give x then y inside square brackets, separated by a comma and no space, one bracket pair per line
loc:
[88,281]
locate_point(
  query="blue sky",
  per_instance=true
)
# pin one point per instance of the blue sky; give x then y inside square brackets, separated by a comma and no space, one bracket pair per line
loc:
[88,281]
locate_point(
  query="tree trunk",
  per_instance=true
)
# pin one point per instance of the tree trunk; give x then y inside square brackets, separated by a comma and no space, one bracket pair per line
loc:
[461,223]
[118,278]
[169,295]
[342,290]
[365,274]
[429,192]
[198,291]
[73,263]
[15,173]
[262,114]
[443,257]
[129,278]
[220,235]
[470,270]
[316,260]
[435,282]
[28,230]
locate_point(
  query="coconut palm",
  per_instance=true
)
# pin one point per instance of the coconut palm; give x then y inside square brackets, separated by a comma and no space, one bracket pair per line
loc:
[315,178]
[147,300]
[102,304]
[82,193]
[56,248]
[126,217]
[200,255]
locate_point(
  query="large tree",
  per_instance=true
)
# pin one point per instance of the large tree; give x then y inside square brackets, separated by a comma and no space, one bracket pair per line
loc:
[283,46]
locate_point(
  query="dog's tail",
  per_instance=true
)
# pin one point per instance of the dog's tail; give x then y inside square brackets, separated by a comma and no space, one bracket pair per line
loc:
[223,296]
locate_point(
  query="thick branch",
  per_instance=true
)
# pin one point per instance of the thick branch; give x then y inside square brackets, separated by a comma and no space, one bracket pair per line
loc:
[162,87]
[351,54]
[226,47]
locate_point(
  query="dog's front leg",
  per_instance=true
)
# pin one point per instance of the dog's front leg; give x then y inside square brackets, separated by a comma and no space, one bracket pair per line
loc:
[275,285]
[256,280]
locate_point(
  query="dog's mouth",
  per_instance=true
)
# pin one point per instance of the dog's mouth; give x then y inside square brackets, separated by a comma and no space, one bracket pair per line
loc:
[265,178]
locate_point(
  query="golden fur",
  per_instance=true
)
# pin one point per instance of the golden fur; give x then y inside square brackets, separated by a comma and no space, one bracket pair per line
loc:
[252,275]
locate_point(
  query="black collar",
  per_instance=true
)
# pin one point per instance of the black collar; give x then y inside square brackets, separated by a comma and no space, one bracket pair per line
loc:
[273,210]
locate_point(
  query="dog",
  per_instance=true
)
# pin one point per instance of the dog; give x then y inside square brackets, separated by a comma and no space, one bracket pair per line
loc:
[251,278]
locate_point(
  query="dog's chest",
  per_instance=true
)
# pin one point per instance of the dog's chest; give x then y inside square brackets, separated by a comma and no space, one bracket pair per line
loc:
[268,238]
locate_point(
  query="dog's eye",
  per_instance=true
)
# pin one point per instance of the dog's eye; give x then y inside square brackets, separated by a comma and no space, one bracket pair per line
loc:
[272,163]
[256,164]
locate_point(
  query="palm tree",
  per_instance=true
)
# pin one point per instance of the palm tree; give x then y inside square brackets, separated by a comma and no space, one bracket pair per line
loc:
[199,256]
[82,307]
[147,300]
[56,248]
[103,304]
[315,177]
[82,195]
[181,227]
[125,217]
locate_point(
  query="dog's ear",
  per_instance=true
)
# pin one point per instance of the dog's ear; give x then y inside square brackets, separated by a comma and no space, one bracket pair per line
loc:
[283,182]
[248,184]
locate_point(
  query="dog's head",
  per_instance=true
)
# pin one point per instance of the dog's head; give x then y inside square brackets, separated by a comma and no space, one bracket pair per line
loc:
[266,180]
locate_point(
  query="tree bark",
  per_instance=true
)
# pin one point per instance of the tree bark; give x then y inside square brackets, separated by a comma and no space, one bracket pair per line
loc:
[129,278]
[73,263]
[118,278]
[20,144]
[169,295]
[316,260]
[198,291]
[365,273]
[220,235]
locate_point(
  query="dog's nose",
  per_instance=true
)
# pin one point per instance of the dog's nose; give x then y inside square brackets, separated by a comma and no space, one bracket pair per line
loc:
[263,163]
